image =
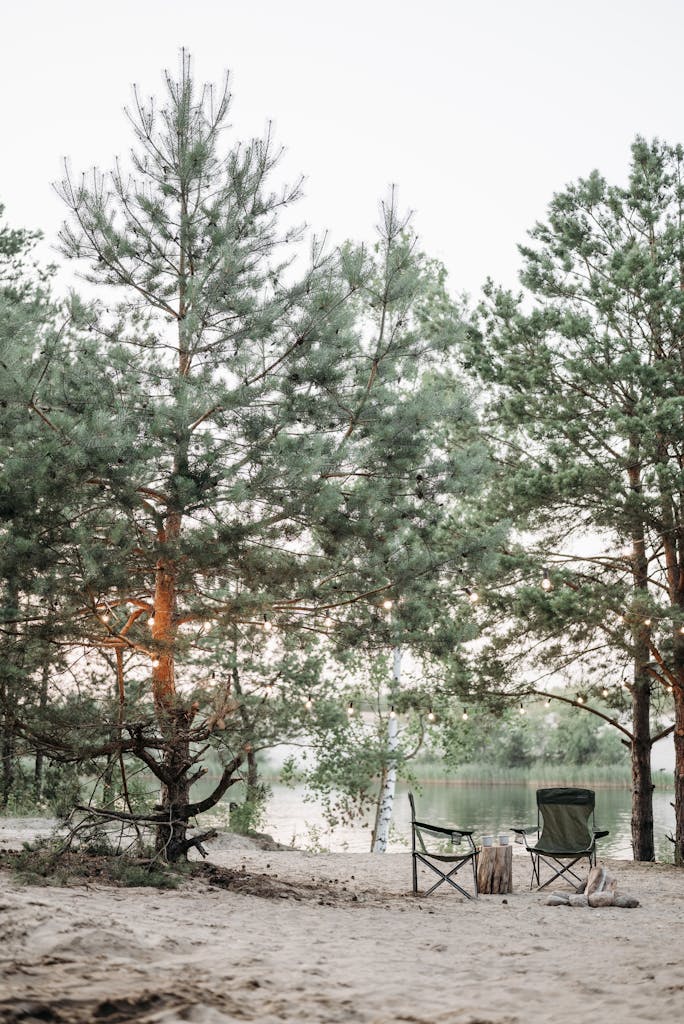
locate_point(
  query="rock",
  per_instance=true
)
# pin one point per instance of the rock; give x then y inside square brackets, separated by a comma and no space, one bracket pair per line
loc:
[623,900]
[600,881]
[578,900]
[601,899]
[557,899]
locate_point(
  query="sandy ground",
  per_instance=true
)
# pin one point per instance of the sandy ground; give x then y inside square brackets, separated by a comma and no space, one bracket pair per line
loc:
[359,949]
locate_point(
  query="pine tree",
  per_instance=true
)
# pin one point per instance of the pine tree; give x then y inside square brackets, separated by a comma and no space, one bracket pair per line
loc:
[270,445]
[587,367]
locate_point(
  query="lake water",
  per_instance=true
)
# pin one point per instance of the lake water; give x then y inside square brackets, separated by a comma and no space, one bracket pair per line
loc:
[486,808]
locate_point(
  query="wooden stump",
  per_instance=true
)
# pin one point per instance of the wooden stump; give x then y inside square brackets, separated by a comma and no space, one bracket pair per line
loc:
[495,869]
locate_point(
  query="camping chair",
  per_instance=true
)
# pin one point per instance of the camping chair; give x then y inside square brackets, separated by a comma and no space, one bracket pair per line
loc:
[433,861]
[565,821]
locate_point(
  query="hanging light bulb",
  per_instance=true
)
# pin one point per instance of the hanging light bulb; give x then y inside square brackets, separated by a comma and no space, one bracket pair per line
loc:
[647,622]
[547,702]
[350,709]
[580,699]
[546,580]
[473,595]
[105,618]
[328,622]
[604,691]
[155,662]
[464,716]
[681,629]
[521,710]
[150,621]
[268,626]
[308,703]
[387,604]
[392,713]
[431,715]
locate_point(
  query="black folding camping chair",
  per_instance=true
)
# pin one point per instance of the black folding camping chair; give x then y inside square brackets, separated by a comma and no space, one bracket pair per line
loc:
[439,860]
[567,833]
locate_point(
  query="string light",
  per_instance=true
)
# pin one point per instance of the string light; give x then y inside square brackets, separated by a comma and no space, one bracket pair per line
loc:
[547,702]
[546,583]
[308,703]
[150,621]
[328,622]
[431,715]
[647,622]
[350,709]
[464,716]
[392,713]
[681,629]
[155,662]
[604,691]
[268,626]
[580,700]
[473,595]
[387,604]
[105,618]
[521,710]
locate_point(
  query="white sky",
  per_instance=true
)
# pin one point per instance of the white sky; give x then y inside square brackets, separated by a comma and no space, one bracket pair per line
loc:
[478,111]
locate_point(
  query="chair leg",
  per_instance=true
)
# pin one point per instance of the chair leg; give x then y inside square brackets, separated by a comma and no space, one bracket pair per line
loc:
[415,873]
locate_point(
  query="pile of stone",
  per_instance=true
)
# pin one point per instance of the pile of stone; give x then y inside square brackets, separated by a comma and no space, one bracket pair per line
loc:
[599,890]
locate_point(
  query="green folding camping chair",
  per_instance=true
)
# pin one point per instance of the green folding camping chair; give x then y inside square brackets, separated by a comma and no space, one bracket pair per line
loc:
[567,833]
[439,860]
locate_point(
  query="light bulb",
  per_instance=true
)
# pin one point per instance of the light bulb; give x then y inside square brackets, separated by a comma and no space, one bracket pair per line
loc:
[521,710]
[267,624]
[387,604]
[105,617]
[546,582]
[464,716]
[580,700]
[547,703]
[150,621]
[392,713]
[308,703]
[473,595]
[647,622]
[155,663]
[604,692]
[431,715]
[350,709]
[681,629]
[328,622]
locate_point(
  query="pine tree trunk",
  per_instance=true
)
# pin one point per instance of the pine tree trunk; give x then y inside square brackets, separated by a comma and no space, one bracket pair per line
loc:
[678,695]
[642,784]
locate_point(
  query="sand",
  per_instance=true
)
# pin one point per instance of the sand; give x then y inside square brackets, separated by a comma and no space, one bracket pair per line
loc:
[359,949]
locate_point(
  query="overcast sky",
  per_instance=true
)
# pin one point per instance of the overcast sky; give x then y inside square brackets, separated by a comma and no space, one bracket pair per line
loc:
[478,111]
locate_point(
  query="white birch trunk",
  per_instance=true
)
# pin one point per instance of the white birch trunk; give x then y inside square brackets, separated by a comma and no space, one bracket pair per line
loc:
[387,795]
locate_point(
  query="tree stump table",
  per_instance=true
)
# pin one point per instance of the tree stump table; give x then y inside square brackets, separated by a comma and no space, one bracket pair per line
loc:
[495,869]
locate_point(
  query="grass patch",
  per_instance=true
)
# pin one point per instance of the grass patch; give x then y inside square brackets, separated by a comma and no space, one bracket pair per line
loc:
[541,773]
[45,863]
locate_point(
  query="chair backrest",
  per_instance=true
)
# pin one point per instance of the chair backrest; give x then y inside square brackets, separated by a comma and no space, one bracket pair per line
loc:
[565,815]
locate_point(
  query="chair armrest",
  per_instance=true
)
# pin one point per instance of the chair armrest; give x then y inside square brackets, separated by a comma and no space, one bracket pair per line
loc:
[521,834]
[444,830]
[600,833]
